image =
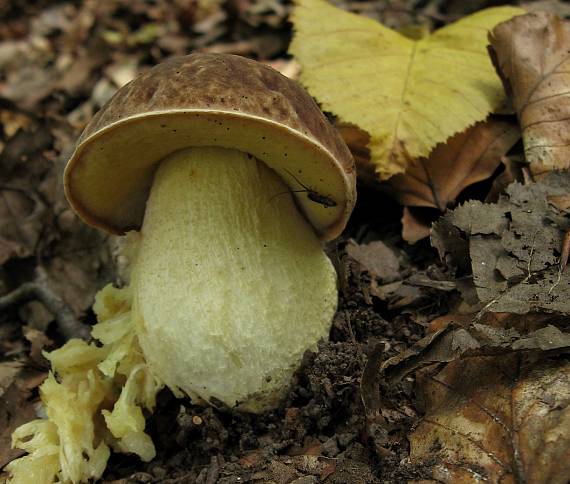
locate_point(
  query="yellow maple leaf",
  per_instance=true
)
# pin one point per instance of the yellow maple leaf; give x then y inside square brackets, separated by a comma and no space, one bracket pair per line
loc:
[409,95]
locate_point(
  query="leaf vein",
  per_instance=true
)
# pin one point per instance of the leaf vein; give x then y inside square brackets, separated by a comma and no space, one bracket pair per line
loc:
[471,440]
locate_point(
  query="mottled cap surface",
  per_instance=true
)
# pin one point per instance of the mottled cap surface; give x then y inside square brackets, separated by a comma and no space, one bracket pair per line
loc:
[209,100]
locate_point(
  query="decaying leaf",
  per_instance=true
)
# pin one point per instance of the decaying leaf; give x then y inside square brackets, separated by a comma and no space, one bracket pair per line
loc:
[496,419]
[414,226]
[376,258]
[466,158]
[357,141]
[559,193]
[514,170]
[407,94]
[17,381]
[458,336]
[532,55]
[511,248]
[20,215]
[558,7]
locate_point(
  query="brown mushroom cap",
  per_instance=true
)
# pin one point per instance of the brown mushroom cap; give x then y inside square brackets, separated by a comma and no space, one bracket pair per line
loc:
[209,100]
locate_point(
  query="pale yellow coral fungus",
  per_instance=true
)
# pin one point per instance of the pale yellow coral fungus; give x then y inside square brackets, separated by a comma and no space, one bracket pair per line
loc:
[94,401]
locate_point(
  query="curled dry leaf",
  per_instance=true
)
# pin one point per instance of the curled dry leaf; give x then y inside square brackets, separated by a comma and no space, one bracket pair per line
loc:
[532,55]
[414,226]
[495,419]
[466,158]
[457,336]
[511,248]
[376,258]
[357,141]
[21,214]
[558,7]
[407,94]
[436,182]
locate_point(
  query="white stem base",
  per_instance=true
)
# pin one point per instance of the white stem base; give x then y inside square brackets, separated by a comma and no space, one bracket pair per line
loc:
[231,285]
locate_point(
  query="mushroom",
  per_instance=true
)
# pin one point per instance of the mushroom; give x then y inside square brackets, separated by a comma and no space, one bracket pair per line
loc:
[230,283]
[233,178]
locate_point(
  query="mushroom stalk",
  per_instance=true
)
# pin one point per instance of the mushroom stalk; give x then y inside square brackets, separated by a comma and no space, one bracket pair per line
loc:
[230,283]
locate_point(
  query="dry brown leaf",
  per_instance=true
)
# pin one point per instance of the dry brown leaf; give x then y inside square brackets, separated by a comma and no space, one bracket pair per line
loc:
[514,171]
[288,67]
[511,248]
[16,408]
[532,55]
[456,336]
[38,341]
[558,7]
[466,158]
[376,258]
[495,419]
[414,226]
[357,141]
[8,371]
[21,219]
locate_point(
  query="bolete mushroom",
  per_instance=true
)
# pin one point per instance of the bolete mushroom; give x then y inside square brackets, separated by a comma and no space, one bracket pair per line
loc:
[230,284]
[233,177]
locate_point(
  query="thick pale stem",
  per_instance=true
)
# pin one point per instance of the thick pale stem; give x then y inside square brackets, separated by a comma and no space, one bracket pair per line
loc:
[231,284]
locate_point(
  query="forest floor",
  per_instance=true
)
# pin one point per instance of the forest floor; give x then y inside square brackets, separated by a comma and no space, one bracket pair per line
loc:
[59,62]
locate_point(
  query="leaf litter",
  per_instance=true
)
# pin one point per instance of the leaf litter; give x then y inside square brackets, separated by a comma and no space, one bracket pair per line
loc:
[495,419]
[436,182]
[466,158]
[334,47]
[343,421]
[532,56]
[511,249]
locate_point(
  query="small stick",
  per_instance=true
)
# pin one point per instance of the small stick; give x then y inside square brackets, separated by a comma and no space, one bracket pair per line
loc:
[39,290]
[565,252]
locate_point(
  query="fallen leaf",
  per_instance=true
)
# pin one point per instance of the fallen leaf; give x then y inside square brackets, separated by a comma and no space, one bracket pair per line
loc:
[370,383]
[510,248]
[357,141]
[328,471]
[16,407]
[251,459]
[558,7]
[513,171]
[8,371]
[408,95]
[288,67]
[461,336]
[558,192]
[465,159]
[38,341]
[414,226]
[379,260]
[495,419]
[532,55]
[21,217]
[376,428]
[397,294]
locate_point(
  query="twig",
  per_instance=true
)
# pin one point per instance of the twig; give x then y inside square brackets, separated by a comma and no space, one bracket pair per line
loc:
[39,290]
[565,252]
